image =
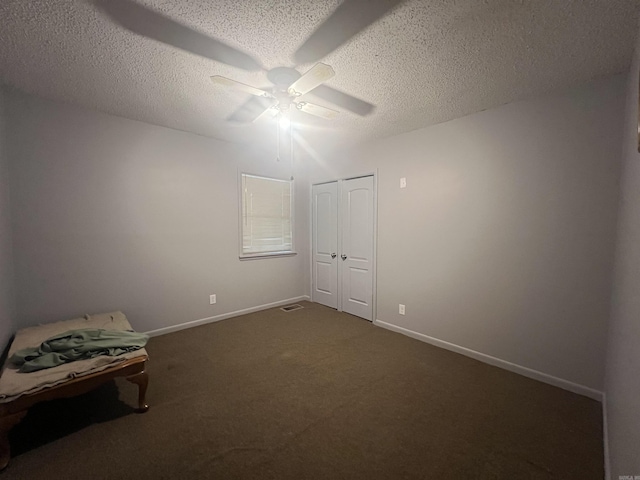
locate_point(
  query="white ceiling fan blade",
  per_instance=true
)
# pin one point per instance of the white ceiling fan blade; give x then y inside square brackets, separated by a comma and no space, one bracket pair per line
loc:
[343,100]
[317,110]
[227,82]
[319,73]
[272,112]
[269,113]
[251,110]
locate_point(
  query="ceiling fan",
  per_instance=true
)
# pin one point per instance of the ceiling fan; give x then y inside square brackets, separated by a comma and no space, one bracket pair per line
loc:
[351,17]
[288,87]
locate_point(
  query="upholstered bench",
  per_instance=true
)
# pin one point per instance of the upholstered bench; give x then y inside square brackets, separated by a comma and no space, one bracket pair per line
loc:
[19,391]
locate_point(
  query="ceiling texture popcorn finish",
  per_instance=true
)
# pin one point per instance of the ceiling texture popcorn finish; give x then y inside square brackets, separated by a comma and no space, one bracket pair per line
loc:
[427,61]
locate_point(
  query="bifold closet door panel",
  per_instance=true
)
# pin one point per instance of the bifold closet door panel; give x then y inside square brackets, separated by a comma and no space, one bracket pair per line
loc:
[357,218]
[325,244]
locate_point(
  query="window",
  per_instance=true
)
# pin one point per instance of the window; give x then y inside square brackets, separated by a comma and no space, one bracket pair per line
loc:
[266,216]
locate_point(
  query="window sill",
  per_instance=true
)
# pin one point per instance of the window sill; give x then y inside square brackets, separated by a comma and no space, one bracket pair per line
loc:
[256,256]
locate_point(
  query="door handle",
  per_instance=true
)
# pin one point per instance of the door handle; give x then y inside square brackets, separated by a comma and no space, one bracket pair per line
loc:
[333,255]
[343,256]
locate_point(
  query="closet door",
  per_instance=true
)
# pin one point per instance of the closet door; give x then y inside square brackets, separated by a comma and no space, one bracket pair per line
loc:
[357,217]
[325,244]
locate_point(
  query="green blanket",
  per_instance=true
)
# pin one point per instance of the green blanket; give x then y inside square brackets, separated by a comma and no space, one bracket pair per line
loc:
[77,345]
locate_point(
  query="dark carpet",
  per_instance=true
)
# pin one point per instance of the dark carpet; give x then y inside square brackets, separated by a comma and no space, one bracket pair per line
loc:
[312,394]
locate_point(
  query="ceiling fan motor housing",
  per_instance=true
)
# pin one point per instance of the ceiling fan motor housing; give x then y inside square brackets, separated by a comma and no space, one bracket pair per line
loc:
[282,77]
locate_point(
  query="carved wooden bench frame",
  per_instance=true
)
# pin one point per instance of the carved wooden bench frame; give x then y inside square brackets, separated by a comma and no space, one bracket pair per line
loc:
[12,412]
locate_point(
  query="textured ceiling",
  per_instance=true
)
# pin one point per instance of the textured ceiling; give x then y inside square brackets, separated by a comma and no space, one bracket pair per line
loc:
[426,62]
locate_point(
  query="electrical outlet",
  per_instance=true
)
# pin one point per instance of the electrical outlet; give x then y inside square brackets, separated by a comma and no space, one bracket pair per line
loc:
[401,309]
[403,182]
[212,299]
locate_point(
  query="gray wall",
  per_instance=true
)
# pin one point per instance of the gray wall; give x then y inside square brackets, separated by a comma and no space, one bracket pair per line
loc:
[503,240]
[7,304]
[111,214]
[623,356]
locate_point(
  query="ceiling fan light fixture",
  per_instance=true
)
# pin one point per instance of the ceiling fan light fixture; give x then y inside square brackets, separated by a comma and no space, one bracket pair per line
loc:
[284,122]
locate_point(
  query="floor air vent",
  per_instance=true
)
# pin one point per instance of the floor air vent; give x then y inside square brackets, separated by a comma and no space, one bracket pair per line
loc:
[291,308]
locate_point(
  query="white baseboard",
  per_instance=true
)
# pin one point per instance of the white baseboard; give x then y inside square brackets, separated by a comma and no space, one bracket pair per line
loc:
[497,362]
[223,316]
[605,436]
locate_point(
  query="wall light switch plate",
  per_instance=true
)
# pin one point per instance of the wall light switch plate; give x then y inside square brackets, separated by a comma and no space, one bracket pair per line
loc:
[212,299]
[403,182]
[401,309]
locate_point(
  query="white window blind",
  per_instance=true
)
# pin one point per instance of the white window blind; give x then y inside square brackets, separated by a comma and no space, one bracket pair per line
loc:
[266,215]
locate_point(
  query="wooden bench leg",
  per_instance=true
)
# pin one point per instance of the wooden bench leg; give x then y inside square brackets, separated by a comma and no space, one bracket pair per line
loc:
[142,380]
[6,424]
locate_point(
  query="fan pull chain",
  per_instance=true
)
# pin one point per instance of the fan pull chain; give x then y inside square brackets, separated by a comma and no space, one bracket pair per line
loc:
[278,138]
[291,143]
